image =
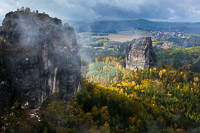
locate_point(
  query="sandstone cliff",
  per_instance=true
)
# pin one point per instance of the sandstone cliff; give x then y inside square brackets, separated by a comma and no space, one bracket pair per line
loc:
[40,57]
[139,54]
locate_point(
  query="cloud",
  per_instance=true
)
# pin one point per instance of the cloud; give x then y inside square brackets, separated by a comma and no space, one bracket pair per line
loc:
[91,10]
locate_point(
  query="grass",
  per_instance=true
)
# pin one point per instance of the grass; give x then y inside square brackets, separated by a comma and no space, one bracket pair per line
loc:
[188,35]
[111,49]
[98,47]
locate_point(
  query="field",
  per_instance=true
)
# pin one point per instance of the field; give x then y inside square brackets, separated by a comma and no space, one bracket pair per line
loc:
[122,36]
[119,37]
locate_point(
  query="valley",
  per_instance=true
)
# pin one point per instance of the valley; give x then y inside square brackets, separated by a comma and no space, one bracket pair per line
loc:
[141,77]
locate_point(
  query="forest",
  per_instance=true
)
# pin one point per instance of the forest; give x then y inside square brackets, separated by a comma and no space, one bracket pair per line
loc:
[116,99]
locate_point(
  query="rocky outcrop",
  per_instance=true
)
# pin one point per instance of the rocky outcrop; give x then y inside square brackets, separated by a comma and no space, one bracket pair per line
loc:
[140,54]
[40,57]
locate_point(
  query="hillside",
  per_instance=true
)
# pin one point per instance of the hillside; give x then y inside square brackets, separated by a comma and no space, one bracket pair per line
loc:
[124,25]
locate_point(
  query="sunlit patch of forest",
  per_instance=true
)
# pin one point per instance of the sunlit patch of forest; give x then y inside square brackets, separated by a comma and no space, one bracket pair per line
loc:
[175,92]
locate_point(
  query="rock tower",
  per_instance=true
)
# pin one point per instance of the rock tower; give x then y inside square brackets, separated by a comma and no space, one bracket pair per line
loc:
[39,57]
[140,54]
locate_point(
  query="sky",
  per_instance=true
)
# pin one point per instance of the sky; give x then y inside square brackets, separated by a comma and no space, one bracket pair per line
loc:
[94,10]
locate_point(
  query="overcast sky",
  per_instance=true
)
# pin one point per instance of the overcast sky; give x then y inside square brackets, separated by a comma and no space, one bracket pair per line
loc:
[92,10]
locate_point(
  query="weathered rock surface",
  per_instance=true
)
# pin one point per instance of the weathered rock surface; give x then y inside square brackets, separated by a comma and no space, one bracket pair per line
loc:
[140,54]
[40,57]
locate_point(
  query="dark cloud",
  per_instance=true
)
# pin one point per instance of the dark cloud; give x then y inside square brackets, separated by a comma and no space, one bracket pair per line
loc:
[90,10]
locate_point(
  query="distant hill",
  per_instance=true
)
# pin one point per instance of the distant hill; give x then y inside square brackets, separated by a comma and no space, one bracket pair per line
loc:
[110,26]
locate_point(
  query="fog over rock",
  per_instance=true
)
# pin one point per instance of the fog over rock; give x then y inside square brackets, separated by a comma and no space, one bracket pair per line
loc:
[140,54]
[40,57]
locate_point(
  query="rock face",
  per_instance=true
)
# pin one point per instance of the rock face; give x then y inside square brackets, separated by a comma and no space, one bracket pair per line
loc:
[40,57]
[139,54]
